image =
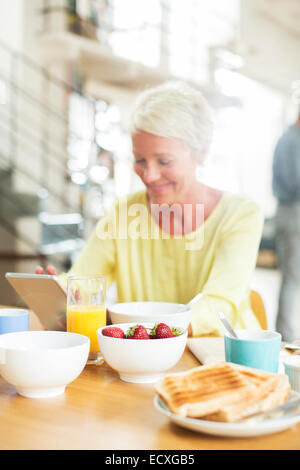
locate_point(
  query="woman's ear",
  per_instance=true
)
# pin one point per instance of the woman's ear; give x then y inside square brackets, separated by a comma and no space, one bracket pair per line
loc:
[199,156]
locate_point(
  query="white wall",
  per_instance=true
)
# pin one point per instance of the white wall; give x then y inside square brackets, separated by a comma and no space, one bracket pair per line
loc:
[270,48]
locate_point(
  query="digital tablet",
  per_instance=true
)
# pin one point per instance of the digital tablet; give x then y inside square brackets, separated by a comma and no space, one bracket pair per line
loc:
[44,295]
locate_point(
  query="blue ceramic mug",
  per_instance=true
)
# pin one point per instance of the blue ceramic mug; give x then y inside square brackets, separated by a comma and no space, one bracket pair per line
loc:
[259,349]
[13,319]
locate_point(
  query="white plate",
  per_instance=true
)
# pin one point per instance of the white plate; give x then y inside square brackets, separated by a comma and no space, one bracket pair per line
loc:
[267,426]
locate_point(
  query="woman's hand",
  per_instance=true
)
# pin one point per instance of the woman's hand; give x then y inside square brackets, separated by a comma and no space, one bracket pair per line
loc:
[49,270]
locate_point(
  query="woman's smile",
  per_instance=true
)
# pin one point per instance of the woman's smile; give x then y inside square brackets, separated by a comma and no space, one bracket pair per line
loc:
[159,188]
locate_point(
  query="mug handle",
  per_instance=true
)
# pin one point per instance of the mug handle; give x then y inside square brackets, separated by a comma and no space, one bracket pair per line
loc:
[2,355]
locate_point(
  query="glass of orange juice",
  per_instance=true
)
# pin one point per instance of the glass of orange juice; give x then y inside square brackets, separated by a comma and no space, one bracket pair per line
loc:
[86,310]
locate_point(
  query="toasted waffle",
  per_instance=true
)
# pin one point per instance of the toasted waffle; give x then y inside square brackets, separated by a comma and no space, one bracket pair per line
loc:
[205,389]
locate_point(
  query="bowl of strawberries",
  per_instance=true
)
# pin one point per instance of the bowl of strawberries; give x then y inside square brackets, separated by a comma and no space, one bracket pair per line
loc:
[142,352]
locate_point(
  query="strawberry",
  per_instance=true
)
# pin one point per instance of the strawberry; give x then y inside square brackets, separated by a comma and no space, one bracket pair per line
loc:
[161,330]
[113,332]
[137,332]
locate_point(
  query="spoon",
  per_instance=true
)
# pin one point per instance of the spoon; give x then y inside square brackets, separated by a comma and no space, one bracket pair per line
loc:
[191,302]
[293,347]
[227,325]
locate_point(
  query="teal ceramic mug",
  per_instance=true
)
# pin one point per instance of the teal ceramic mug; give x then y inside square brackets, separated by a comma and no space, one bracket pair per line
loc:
[259,349]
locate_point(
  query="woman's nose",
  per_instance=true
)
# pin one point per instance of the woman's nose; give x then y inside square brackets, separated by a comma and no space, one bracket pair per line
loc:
[150,173]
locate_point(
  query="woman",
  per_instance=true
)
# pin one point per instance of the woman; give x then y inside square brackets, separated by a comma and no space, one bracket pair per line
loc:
[178,237]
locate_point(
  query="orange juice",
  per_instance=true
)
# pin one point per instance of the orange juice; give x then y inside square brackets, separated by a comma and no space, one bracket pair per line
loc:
[85,320]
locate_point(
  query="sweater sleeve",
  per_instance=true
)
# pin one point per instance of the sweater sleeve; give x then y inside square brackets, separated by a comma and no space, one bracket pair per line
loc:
[229,278]
[98,255]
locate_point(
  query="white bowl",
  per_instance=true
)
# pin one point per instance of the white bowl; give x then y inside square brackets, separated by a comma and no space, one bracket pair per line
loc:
[42,363]
[292,370]
[141,360]
[167,312]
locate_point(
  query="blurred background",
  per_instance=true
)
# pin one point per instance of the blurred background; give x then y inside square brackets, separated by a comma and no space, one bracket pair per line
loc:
[69,72]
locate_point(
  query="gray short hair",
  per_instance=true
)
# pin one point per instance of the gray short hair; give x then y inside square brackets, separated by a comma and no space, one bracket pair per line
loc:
[175,110]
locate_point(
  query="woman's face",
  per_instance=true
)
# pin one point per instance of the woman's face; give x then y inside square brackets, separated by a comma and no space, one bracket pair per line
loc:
[166,167]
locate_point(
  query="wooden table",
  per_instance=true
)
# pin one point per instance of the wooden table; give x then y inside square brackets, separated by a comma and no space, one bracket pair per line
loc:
[99,411]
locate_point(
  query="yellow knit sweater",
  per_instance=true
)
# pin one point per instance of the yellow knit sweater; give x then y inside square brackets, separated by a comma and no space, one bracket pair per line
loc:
[218,259]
